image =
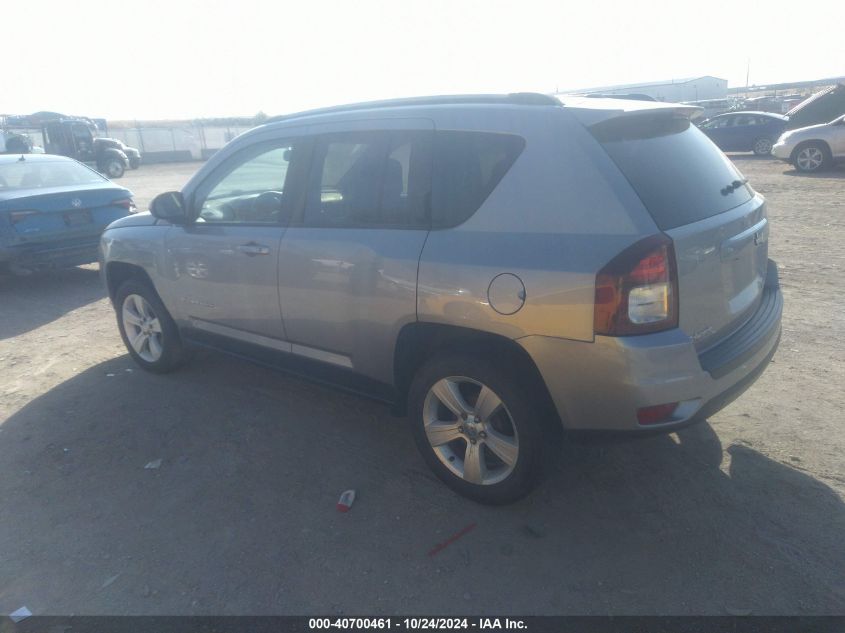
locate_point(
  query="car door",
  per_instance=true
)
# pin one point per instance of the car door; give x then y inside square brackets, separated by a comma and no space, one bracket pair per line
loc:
[348,265]
[746,131]
[837,138]
[742,133]
[225,262]
[718,129]
[83,143]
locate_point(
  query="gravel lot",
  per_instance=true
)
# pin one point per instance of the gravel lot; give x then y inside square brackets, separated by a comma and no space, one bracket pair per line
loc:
[741,514]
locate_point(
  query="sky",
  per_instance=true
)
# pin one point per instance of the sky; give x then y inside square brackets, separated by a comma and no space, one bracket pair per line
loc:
[158,59]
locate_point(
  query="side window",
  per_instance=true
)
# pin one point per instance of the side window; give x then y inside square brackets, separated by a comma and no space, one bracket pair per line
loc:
[81,134]
[406,187]
[467,167]
[375,179]
[746,119]
[251,190]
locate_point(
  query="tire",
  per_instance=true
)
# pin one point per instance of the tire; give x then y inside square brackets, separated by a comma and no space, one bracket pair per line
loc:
[763,146]
[518,428]
[113,168]
[140,312]
[811,157]
[134,163]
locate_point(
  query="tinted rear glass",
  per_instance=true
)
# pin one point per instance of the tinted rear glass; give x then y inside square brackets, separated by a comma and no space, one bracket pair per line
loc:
[467,167]
[41,174]
[678,173]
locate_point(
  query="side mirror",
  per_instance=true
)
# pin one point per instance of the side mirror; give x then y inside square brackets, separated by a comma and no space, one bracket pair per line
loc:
[169,206]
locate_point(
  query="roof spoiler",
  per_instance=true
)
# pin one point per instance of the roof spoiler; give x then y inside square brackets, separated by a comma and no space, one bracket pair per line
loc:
[590,111]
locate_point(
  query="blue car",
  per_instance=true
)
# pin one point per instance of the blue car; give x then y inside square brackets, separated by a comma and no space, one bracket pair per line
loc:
[53,210]
[745,131]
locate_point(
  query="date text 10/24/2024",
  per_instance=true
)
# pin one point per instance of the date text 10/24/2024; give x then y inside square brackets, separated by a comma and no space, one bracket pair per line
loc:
[417,624]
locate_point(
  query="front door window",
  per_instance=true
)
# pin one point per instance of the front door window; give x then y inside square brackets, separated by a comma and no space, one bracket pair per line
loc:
[252,191]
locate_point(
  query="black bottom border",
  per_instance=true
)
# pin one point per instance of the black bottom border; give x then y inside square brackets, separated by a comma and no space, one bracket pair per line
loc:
[534,624]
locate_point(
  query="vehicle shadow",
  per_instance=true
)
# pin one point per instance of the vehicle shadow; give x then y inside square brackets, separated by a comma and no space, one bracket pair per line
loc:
[28,302]
[213,491]
[837,172]
[748,156]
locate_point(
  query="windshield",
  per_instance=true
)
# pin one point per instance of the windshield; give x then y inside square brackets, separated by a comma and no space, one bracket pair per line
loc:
[43,174]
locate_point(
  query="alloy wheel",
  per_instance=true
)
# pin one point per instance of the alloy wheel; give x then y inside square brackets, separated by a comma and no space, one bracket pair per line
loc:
[809,159]
[142,327]
[470,430]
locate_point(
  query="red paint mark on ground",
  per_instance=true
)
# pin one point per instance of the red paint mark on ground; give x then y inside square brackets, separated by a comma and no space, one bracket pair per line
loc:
[441,546]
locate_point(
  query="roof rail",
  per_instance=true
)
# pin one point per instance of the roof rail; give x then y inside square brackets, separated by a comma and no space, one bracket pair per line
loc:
[514,98]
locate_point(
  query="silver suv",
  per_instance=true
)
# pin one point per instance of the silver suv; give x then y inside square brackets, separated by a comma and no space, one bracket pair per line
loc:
[497,267]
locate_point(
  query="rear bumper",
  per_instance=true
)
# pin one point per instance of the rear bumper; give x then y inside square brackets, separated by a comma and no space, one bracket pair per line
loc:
[599,386]
[51,254]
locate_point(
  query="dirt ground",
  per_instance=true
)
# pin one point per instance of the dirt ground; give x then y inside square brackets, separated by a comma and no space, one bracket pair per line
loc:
[741,514]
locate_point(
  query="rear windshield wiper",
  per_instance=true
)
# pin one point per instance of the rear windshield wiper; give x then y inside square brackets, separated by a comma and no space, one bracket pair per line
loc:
[736,184]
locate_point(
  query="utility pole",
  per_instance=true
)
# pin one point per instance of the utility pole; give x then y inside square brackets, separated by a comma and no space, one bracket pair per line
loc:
[747,72]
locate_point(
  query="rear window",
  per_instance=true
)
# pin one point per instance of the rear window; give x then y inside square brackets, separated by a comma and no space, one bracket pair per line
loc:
[467,167]
[42,174]
[678,173]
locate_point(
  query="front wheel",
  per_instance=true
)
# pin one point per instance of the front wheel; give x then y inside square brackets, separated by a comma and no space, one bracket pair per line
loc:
[134,162]
[763,146]
[811,157]
[113,168]
[478,428]
[147,329]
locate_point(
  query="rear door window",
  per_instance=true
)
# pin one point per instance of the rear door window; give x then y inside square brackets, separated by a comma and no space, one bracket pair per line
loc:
[467,167]
[370,179]
[678,173]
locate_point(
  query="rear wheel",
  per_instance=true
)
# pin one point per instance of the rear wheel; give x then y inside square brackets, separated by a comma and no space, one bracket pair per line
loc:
[478,428]
[811,157]
[147,329]
[763,146]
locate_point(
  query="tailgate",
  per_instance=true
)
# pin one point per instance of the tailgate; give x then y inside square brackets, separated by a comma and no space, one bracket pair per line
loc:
[722,264]
[697,197]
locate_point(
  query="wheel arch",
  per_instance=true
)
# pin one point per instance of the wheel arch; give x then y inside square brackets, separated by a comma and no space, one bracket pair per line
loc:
[116,273]
[418,342]
[811,141]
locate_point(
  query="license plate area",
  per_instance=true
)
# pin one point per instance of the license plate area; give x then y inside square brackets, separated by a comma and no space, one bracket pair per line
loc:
[77,218]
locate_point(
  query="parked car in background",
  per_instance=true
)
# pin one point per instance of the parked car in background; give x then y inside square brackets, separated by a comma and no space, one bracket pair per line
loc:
[765,103]
[495,266]
[53,210]
[745,131]
[821,107]
[711,107]
[813,148]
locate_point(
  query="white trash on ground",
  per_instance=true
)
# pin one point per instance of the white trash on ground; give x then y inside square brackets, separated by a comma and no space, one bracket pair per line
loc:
[346,500]
[21,614]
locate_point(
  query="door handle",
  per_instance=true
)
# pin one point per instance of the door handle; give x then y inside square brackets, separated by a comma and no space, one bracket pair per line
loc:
[252,249]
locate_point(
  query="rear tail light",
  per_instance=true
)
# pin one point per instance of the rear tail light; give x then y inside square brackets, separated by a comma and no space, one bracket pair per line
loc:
[637,292]
[126,203]
[19,216]
[656,414]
